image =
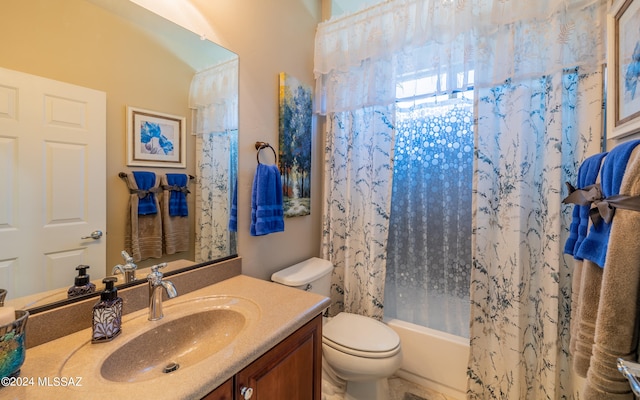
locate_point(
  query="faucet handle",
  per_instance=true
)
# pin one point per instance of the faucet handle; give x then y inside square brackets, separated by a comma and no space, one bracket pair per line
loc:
[126,256]
[155,268]
[129,264]
[155,277]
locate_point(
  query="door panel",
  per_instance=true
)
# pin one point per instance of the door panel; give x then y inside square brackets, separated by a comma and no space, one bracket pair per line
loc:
[53,149]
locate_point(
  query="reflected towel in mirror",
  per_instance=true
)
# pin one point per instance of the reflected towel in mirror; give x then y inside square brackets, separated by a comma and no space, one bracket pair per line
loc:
[176,184]
[147,200]
[233,217]
[143,233]
[175,226]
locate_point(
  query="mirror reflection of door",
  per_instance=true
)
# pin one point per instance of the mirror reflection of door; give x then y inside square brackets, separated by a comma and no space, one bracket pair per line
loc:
[52,186]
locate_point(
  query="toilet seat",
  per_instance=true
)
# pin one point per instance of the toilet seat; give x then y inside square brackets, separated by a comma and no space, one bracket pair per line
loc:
[360,353]
[360,336]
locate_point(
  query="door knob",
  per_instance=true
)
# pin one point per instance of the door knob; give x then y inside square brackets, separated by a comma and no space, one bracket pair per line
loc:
[93,235]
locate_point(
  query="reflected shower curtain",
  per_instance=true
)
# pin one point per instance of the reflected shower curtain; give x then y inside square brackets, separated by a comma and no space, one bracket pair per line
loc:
[213,98]
[217,167]
[532,136]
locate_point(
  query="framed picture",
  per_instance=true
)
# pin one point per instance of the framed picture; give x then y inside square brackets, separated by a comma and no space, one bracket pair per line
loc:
[155,139]
[295,145]
[623,65]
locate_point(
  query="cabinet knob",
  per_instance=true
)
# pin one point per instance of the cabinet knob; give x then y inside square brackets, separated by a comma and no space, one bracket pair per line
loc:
[246,392]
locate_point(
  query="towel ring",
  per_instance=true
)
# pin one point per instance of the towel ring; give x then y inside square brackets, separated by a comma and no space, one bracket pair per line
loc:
[263,145]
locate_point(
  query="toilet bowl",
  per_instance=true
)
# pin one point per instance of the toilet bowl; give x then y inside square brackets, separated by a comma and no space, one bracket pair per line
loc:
[363,353]
[358,351]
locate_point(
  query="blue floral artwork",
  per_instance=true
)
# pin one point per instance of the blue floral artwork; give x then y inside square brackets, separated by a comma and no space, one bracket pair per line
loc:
[295,145]
[155,139]
[633,72]
[628,63]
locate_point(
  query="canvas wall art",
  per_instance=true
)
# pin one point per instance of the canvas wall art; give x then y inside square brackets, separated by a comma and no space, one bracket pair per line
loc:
[295,145]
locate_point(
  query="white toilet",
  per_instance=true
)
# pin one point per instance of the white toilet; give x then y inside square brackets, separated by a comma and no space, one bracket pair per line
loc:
[359,351]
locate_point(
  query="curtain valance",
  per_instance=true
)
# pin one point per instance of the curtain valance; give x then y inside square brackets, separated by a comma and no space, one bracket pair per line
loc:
[214,97]
[360,58]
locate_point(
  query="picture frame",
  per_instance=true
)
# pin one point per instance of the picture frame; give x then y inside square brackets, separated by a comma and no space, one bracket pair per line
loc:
[295,132]
[623,68]
[155,139]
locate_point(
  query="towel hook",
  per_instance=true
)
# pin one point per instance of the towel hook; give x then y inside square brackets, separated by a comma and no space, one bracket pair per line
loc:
[263,145]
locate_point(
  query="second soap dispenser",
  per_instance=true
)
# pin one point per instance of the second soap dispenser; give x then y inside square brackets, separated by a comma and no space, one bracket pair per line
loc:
[107,313]
[82,284]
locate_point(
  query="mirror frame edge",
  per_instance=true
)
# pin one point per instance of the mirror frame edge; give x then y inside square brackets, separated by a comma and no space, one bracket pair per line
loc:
[60,303]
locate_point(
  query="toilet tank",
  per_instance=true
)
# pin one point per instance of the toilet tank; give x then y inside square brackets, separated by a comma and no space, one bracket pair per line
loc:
[312,275]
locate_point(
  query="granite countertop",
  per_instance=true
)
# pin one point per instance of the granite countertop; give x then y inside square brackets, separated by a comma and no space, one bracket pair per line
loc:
[275,311]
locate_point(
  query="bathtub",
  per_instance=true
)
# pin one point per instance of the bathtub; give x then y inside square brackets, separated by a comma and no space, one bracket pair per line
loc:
[433,359]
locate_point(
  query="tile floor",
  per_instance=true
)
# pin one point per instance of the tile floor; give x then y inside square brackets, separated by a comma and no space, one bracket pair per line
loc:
[399,389]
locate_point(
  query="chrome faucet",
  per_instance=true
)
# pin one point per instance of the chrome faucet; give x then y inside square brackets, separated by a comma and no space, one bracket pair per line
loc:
[155,291]
[128,269]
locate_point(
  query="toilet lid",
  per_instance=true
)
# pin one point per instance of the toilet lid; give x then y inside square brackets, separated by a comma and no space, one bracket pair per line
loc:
[359,333]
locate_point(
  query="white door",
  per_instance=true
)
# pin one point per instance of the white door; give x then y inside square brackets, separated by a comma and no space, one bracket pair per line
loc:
[52,182]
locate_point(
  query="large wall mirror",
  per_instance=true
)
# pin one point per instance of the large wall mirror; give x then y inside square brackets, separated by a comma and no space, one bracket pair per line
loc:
[139,60]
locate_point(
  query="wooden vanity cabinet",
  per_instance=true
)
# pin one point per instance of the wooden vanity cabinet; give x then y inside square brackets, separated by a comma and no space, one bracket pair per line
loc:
[290,370]
[222,392]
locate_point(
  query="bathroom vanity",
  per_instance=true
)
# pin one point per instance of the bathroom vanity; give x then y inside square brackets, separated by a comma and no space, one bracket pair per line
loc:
[240,338]
[291,370]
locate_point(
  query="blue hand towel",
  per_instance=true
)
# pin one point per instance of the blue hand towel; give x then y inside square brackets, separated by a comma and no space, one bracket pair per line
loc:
[267,211]
[146,181]
[178,199]
[594,246]
[233,216]
[587,175]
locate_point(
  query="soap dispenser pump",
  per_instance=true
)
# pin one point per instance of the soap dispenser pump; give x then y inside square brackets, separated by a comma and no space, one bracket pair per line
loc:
[82,285]
[107,313]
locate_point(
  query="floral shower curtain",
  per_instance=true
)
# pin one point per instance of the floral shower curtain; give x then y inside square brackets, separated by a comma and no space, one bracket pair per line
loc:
[528,143]
[357,191]
[532,137]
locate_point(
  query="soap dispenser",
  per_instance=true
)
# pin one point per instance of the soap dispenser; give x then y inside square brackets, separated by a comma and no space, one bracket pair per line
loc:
[107,313]
[82,283]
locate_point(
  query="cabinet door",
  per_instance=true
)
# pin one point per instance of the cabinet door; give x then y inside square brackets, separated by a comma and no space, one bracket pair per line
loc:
[222,392]
[291,370]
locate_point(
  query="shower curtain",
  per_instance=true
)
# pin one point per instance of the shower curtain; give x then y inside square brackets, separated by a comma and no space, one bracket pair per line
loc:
[532,135]
[537,117]
[357,191]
